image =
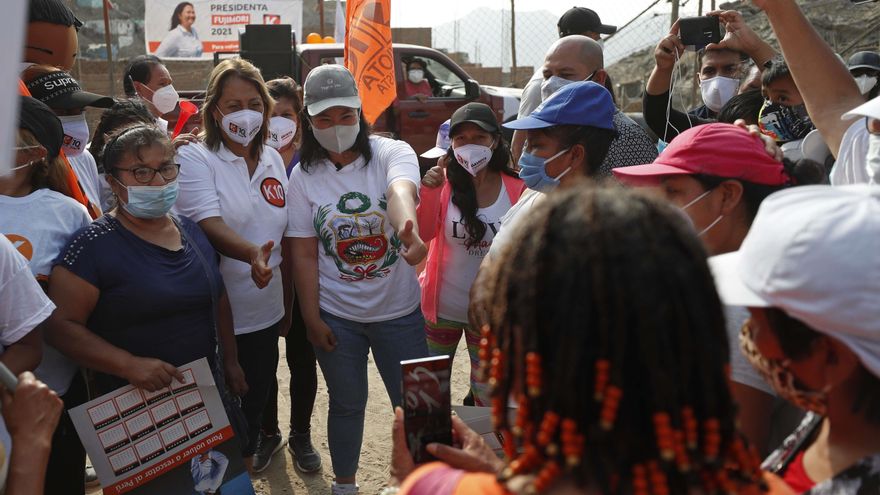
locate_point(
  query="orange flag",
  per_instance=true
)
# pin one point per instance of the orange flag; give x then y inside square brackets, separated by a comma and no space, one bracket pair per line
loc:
[368,54]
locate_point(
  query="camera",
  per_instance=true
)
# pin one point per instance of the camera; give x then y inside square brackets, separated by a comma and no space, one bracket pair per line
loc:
[699,31]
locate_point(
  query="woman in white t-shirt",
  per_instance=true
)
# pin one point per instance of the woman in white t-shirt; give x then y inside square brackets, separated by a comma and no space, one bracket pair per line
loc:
[38,218]
[235,188]
[353,219]
[182,39]
[460,220]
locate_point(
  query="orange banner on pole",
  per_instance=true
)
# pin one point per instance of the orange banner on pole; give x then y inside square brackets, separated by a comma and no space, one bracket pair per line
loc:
[369,55]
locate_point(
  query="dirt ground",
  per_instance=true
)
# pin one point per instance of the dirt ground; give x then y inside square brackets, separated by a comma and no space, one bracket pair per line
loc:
[282,478]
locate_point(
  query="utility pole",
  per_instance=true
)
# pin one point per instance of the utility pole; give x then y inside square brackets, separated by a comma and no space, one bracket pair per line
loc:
[674,14]
[513,79]
[321,13]
[109,47]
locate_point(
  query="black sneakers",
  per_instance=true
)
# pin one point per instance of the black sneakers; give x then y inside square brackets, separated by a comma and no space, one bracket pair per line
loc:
[267,446]
[305,457]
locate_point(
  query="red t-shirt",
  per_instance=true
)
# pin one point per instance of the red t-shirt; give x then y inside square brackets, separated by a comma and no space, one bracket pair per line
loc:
[423,88]
[796,476]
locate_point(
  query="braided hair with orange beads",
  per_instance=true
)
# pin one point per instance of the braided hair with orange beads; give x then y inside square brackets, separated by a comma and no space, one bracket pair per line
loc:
[605,328]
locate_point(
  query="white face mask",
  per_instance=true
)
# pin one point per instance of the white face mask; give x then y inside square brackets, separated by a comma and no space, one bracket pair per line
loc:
[473,157]
[242,126]
[553,83]
[165,99]
[76,134]
[337,138]
[281,132]
[717,91]
[416,76]
[873,164]
[866,83]
[695,201]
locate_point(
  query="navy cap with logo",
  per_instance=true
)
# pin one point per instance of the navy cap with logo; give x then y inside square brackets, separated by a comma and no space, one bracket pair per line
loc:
[60,91]
[580,20]
[582,103]
[330,86]
[475,113]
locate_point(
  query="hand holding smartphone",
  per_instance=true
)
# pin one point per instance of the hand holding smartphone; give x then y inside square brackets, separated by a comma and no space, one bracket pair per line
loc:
[699,31]
[427,404]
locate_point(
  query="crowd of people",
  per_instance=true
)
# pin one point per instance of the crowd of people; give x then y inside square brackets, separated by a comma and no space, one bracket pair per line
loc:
[696,314]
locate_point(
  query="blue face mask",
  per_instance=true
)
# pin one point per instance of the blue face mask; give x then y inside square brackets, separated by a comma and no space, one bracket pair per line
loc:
[151,201]
[533,172]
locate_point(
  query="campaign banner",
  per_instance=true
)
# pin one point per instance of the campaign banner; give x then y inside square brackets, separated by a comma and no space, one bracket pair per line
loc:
[198,28]
[172,441]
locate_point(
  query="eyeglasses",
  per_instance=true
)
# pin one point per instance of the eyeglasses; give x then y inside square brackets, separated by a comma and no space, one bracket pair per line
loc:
[145,175]
[873,125]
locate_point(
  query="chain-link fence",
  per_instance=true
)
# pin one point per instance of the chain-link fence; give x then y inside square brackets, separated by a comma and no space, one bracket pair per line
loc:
[482,41]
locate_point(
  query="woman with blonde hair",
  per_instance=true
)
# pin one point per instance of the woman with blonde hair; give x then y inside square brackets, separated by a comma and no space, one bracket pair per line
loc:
[235,188]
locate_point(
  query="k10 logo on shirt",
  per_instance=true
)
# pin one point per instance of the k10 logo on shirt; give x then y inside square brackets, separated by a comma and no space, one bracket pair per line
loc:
[273,192]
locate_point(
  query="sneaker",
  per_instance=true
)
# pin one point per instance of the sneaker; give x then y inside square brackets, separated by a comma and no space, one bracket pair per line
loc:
[305,456]
[267,446]
[344,489]
[91,477]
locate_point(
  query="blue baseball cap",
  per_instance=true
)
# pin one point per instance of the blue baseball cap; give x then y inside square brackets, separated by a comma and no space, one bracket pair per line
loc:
[582,103]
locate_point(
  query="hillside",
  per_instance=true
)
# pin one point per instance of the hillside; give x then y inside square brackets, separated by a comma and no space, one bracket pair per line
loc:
[848,28]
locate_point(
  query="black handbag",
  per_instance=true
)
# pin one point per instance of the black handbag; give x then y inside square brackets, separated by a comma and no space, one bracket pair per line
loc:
[231,402]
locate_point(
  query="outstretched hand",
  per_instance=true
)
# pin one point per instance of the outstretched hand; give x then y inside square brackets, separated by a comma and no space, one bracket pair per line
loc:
[260,271]
[738,35]
[414,249]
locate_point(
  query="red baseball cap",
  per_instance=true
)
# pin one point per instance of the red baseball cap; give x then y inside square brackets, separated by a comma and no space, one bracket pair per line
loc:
[719,150]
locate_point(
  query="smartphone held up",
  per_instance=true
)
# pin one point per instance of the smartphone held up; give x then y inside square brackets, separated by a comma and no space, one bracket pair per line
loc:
[427,404]
[699,31]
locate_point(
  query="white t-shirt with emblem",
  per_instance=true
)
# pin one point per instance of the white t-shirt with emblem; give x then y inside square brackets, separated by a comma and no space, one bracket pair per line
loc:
[361,275]
[39,226]
[216,184]
[461,263]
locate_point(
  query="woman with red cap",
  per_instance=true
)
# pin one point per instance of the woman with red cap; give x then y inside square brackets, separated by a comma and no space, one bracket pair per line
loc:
[719,174]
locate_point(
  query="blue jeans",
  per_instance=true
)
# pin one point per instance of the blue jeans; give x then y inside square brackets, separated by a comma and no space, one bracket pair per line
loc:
[345,371]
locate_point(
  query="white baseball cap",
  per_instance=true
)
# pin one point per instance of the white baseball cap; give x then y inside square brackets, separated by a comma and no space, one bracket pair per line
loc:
[813,252]
[869,109]
[443,142]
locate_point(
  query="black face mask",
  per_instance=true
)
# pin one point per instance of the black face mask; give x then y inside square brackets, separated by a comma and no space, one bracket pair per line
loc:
[785,123]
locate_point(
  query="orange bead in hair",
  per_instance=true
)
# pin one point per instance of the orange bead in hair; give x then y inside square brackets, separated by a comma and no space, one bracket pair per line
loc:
[659,485]
[608,415]
[711,438]
[681,457]
[547,428]
[534,374]
[690,427]
[639,480]
[547,476]
[572,442]
[665,437]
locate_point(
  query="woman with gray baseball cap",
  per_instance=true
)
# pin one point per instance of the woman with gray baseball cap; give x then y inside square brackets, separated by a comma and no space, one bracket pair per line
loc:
[809,273]
[352,205]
